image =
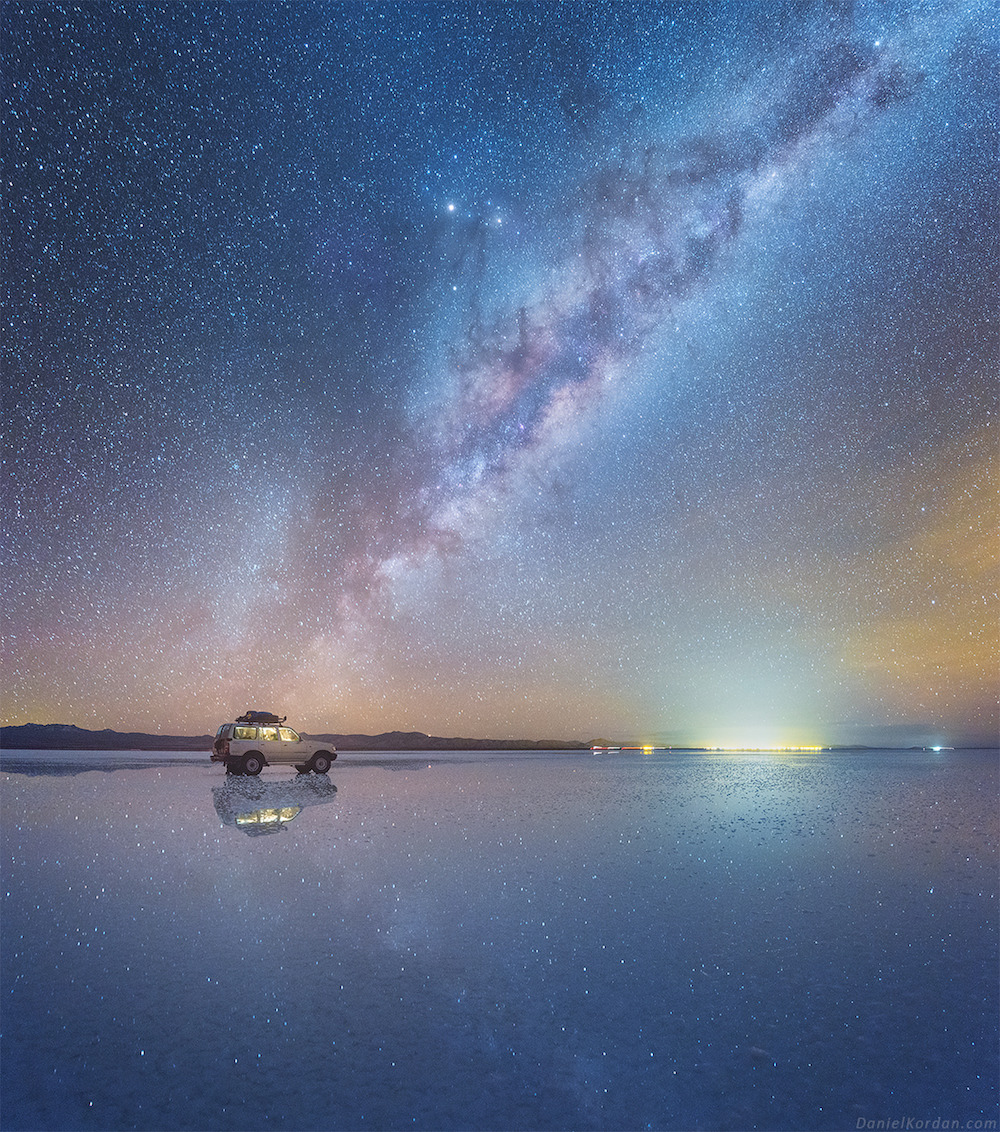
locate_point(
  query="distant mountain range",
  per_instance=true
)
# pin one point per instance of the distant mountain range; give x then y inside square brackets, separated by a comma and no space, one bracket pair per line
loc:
[69,737]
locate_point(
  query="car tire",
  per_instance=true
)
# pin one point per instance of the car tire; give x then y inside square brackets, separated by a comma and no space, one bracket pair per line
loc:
[253,763]
[321,762]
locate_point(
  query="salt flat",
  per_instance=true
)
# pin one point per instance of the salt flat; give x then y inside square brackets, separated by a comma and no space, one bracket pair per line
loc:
[487,941]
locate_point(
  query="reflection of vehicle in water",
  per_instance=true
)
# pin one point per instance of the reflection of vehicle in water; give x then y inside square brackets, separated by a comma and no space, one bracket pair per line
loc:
[259,739]
[258,807]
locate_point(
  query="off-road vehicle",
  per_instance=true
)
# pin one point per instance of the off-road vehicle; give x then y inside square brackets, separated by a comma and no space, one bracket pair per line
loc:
[259,739]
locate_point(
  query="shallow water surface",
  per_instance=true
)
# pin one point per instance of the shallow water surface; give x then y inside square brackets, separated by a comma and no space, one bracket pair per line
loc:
[500,941]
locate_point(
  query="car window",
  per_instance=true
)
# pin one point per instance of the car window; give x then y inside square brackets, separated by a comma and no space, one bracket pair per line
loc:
[269,734]
[245,733]
[288,735]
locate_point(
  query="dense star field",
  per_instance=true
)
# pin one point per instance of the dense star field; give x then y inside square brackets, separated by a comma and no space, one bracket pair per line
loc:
[585,369]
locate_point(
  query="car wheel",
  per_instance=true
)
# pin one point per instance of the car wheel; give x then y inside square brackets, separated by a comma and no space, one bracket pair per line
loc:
[321,762]
[253,763]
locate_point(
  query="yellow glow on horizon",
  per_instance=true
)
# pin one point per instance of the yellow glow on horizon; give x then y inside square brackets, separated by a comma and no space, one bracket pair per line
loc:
[762,737]
[776,750]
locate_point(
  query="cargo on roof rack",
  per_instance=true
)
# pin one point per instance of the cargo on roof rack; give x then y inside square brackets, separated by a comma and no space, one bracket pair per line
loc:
[261,717]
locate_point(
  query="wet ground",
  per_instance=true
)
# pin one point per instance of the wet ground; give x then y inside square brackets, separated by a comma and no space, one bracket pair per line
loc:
[500,941]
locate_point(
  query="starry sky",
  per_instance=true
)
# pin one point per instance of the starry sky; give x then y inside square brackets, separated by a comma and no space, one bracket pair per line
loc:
[551,370]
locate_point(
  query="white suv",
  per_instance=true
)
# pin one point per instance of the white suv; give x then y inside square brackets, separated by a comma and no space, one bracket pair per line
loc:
[259,739]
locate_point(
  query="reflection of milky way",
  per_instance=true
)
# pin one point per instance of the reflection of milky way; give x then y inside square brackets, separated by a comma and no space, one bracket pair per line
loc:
[651,230]
[601,369]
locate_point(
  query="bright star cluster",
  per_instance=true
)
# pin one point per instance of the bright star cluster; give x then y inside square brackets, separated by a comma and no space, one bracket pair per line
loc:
[513,370]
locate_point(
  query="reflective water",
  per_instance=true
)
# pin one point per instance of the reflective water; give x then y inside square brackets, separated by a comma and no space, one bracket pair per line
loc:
[486,941]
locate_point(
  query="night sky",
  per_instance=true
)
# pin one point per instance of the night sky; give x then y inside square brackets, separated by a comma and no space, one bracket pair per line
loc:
[552,370]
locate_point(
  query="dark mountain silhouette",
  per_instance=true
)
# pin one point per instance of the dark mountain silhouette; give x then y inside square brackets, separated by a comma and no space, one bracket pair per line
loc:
[69,737]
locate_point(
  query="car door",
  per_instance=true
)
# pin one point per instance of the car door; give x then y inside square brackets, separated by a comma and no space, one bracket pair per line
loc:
[291,746]
[269,743]
[244,739]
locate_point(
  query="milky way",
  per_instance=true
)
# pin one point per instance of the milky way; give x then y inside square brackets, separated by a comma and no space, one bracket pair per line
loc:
[603,370]
[651,230]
